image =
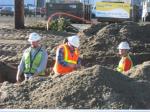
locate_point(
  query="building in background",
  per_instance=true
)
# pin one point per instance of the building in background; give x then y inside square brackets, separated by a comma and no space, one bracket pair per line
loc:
[39,3]
[62,1]
[32,7]
[145,9]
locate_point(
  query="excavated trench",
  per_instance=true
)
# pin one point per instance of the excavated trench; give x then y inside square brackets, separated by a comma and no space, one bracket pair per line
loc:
[7,73]
[98,46]
[97,86]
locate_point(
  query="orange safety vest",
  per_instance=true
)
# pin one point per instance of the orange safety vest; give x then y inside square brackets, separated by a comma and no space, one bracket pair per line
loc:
[125,64]
[69,57]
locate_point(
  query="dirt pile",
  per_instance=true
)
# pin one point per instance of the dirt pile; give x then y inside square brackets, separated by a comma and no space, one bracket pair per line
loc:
[94,29]
[140,71]
[94,87]
[101,48]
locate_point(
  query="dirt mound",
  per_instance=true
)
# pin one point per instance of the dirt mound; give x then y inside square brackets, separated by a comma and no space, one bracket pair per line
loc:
[94,87]
[102,47]
[140,71]
[94,29]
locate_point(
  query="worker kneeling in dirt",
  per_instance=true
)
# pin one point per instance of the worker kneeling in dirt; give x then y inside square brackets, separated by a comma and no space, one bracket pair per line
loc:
[34,59]
[67,56]
[125,63]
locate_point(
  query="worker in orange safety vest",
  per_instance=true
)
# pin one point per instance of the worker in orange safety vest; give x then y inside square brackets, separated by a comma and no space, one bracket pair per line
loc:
[67,56]
[125,63]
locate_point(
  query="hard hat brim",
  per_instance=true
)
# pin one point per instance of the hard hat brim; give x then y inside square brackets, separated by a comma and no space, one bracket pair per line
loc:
[74,45]
[33,40]
[124,48]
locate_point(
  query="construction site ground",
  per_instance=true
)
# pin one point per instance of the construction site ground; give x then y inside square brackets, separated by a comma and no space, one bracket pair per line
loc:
[97,85]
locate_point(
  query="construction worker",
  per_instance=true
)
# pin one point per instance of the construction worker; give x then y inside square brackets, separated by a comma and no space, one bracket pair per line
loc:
[34,59]
[125,63]
[67,56]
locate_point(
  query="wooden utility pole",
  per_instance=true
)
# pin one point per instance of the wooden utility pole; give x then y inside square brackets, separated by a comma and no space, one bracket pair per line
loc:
[19,14]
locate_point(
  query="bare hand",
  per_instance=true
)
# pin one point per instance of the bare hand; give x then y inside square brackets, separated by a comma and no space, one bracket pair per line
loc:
[18,76]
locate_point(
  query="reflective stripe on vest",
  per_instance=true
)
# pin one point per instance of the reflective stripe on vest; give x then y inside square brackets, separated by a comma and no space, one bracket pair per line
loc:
[73,58]
[32,65]
[122,67]
[67,54]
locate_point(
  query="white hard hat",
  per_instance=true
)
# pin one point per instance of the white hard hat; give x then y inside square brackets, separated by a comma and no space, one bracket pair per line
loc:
[33,37]
[123,45]
[74,40]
